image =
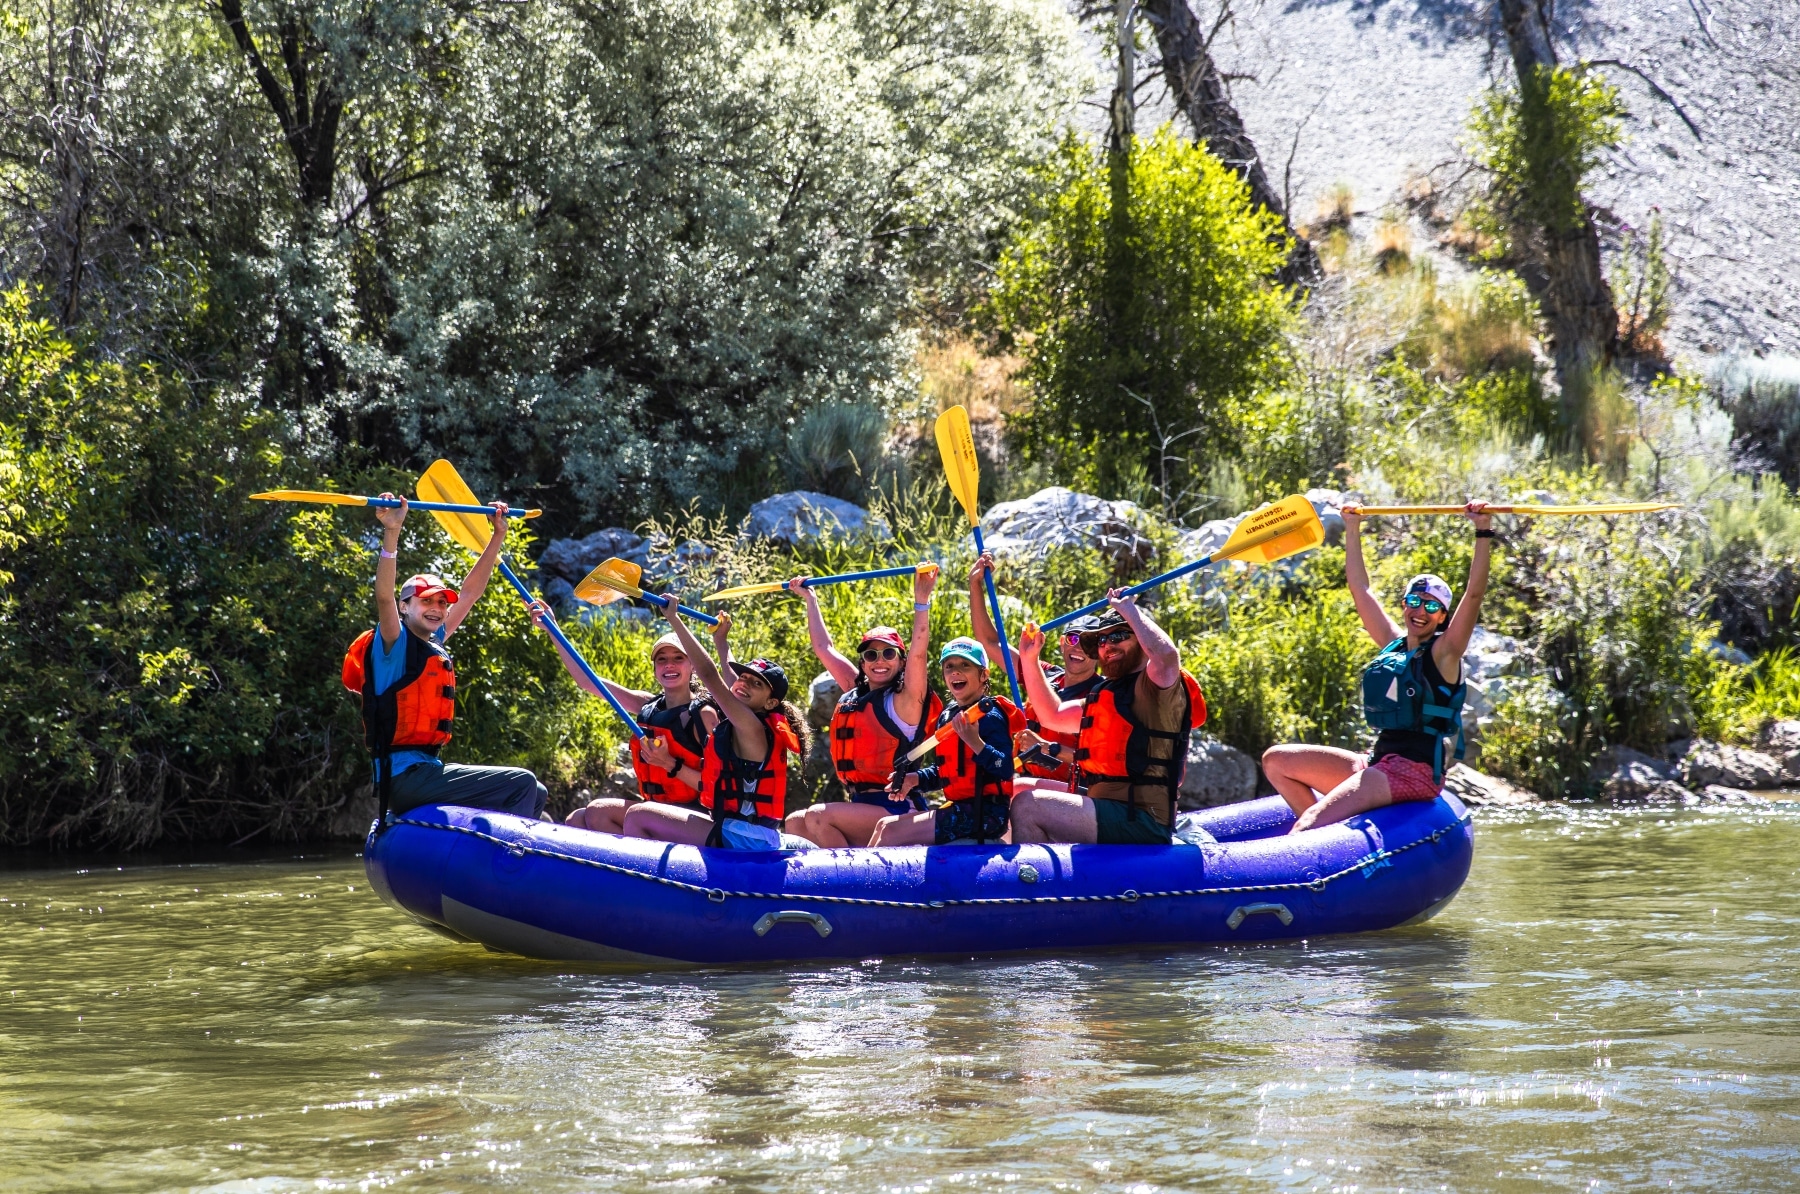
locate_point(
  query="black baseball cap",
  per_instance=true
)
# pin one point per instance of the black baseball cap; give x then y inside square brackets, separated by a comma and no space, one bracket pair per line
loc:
[772,675]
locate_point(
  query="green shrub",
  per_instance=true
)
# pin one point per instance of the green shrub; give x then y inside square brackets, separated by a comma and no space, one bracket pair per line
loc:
[1530,739]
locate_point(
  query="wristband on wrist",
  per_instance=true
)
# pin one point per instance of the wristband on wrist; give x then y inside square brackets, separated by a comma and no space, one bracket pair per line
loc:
[1487,534]
[920,607]
[389,555]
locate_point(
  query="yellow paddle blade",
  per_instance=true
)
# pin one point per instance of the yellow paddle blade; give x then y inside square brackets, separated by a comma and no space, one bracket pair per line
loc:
[441,483]
[610,581]
[770,586]
[956,444]
[1274,532]
[1595,508]
[309,495]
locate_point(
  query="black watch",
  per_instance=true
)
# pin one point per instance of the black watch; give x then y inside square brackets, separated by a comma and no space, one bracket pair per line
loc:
[1487,534]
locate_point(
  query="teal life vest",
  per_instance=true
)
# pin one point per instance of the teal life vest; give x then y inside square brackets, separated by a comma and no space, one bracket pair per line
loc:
[1397,696]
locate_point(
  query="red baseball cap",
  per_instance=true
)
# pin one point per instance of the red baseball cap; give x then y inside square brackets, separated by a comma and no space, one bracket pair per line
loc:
[881,634]
[426,585]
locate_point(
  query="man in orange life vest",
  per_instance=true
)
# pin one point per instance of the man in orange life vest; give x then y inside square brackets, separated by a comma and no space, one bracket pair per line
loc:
[1133,737]
[404,678]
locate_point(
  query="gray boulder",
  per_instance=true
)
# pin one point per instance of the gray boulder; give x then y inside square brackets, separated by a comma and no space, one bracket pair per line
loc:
[1490,655]
[1779,737]
[573,559]
[1620,774]
[822,698]
[1473,787]
[1707,763]
[1328,504]
[1216,774]
[559,594]
[801,517]
[1057,517]
[818,773]
[1723,794]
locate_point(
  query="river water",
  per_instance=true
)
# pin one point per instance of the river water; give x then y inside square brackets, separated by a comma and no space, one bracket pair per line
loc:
[1613,1003]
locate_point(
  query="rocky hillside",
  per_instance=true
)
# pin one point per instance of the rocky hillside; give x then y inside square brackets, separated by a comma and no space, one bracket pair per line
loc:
[1372,92]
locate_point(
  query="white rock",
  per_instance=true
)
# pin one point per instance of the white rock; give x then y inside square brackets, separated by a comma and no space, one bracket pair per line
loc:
[822,698]
[1490,655]
[803,516]
[1057,518]
[1216,774]
[1780,737]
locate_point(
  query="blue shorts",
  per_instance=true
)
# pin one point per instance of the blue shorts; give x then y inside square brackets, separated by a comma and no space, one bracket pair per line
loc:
[882,798]
[956,820]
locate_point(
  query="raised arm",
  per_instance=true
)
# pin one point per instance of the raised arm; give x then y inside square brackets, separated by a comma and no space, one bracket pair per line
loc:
[475,584]
[909,703]
[387,608]
[1375,620]
[1162,662]
[1448,651]
[981,622]
[721,637]
[833,661]
[631,698]
[750,738]
[1050,710]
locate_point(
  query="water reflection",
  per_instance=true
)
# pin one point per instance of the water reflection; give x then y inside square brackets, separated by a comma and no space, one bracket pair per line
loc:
[1612,1000]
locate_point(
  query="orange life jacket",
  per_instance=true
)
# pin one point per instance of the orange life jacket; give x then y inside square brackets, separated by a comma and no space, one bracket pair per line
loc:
[1063,766]
[416,710]
[682,731]
[740,789]
[963,780]
[866,744]
[1114,745]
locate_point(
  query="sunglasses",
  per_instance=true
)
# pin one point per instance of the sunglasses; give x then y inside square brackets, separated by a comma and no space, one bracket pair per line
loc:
[1432,604]
[1093,642]
[871,654]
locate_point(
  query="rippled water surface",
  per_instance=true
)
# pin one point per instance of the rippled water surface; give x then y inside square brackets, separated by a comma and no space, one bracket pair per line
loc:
[1612,1003]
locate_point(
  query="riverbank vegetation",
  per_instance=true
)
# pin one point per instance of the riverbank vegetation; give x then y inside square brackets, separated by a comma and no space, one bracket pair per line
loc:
[649,264]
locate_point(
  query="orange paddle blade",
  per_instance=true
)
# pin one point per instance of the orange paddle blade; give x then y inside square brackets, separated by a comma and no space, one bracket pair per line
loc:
[611,581]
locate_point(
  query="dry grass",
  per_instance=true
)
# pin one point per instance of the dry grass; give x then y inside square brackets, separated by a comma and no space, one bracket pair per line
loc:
[1392,243]
[1334,209]
[954,371]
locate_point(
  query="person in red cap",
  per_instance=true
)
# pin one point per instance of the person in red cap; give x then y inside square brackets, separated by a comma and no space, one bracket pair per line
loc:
[678,720]
[402,675]
[886,706]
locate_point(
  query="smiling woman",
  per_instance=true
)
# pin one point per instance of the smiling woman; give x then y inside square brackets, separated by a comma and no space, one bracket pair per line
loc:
[1412,693]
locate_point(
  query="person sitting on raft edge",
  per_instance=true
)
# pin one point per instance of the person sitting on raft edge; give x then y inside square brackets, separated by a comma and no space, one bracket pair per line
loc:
[1133,735]
[975,767]
[1412,693]
[405,681]
[886,706]
[669,760]
[744,779]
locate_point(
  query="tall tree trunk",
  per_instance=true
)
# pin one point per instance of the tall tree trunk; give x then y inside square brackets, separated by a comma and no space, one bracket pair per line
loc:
[308,108]
[1200,91]
[1564,271]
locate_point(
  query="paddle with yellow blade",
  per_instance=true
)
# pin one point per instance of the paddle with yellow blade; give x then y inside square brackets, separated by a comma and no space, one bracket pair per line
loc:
[942,734]
[1266,534]
[814,582]
[442,486]
[1530,511]
[618,578]
[956,444]
[322,498]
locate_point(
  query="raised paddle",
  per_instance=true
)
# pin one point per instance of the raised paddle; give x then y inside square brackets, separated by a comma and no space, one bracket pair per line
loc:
[942,734]
[1266,534]
[1531,511]
[618,578]
[956,444]
[442,485]
[814,582]
[320,497]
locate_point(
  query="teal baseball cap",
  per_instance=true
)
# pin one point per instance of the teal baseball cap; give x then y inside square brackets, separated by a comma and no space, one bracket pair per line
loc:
[967,648]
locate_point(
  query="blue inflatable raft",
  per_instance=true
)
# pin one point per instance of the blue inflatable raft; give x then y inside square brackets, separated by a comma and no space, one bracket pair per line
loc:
[564,894]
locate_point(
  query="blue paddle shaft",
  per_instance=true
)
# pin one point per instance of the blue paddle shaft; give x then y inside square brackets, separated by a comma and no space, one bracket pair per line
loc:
[1006,655]
[813,582]
[1133,591]
[447,507]
[562,641]
[697,615]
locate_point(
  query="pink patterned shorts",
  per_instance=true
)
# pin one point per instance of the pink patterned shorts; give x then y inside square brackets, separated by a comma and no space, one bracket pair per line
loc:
[1407,780]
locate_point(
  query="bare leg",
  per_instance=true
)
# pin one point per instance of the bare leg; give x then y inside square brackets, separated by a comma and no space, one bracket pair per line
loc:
[1363,791]
[841,823]
[909,829]
[1043,814]
[605,815]
[1302,773]
[668,823]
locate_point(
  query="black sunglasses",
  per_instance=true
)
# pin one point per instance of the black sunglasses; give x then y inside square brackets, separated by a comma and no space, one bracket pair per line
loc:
[1094,641]
[871,654]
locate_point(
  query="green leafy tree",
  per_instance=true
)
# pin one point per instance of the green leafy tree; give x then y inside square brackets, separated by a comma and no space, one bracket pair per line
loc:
[1145,335]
